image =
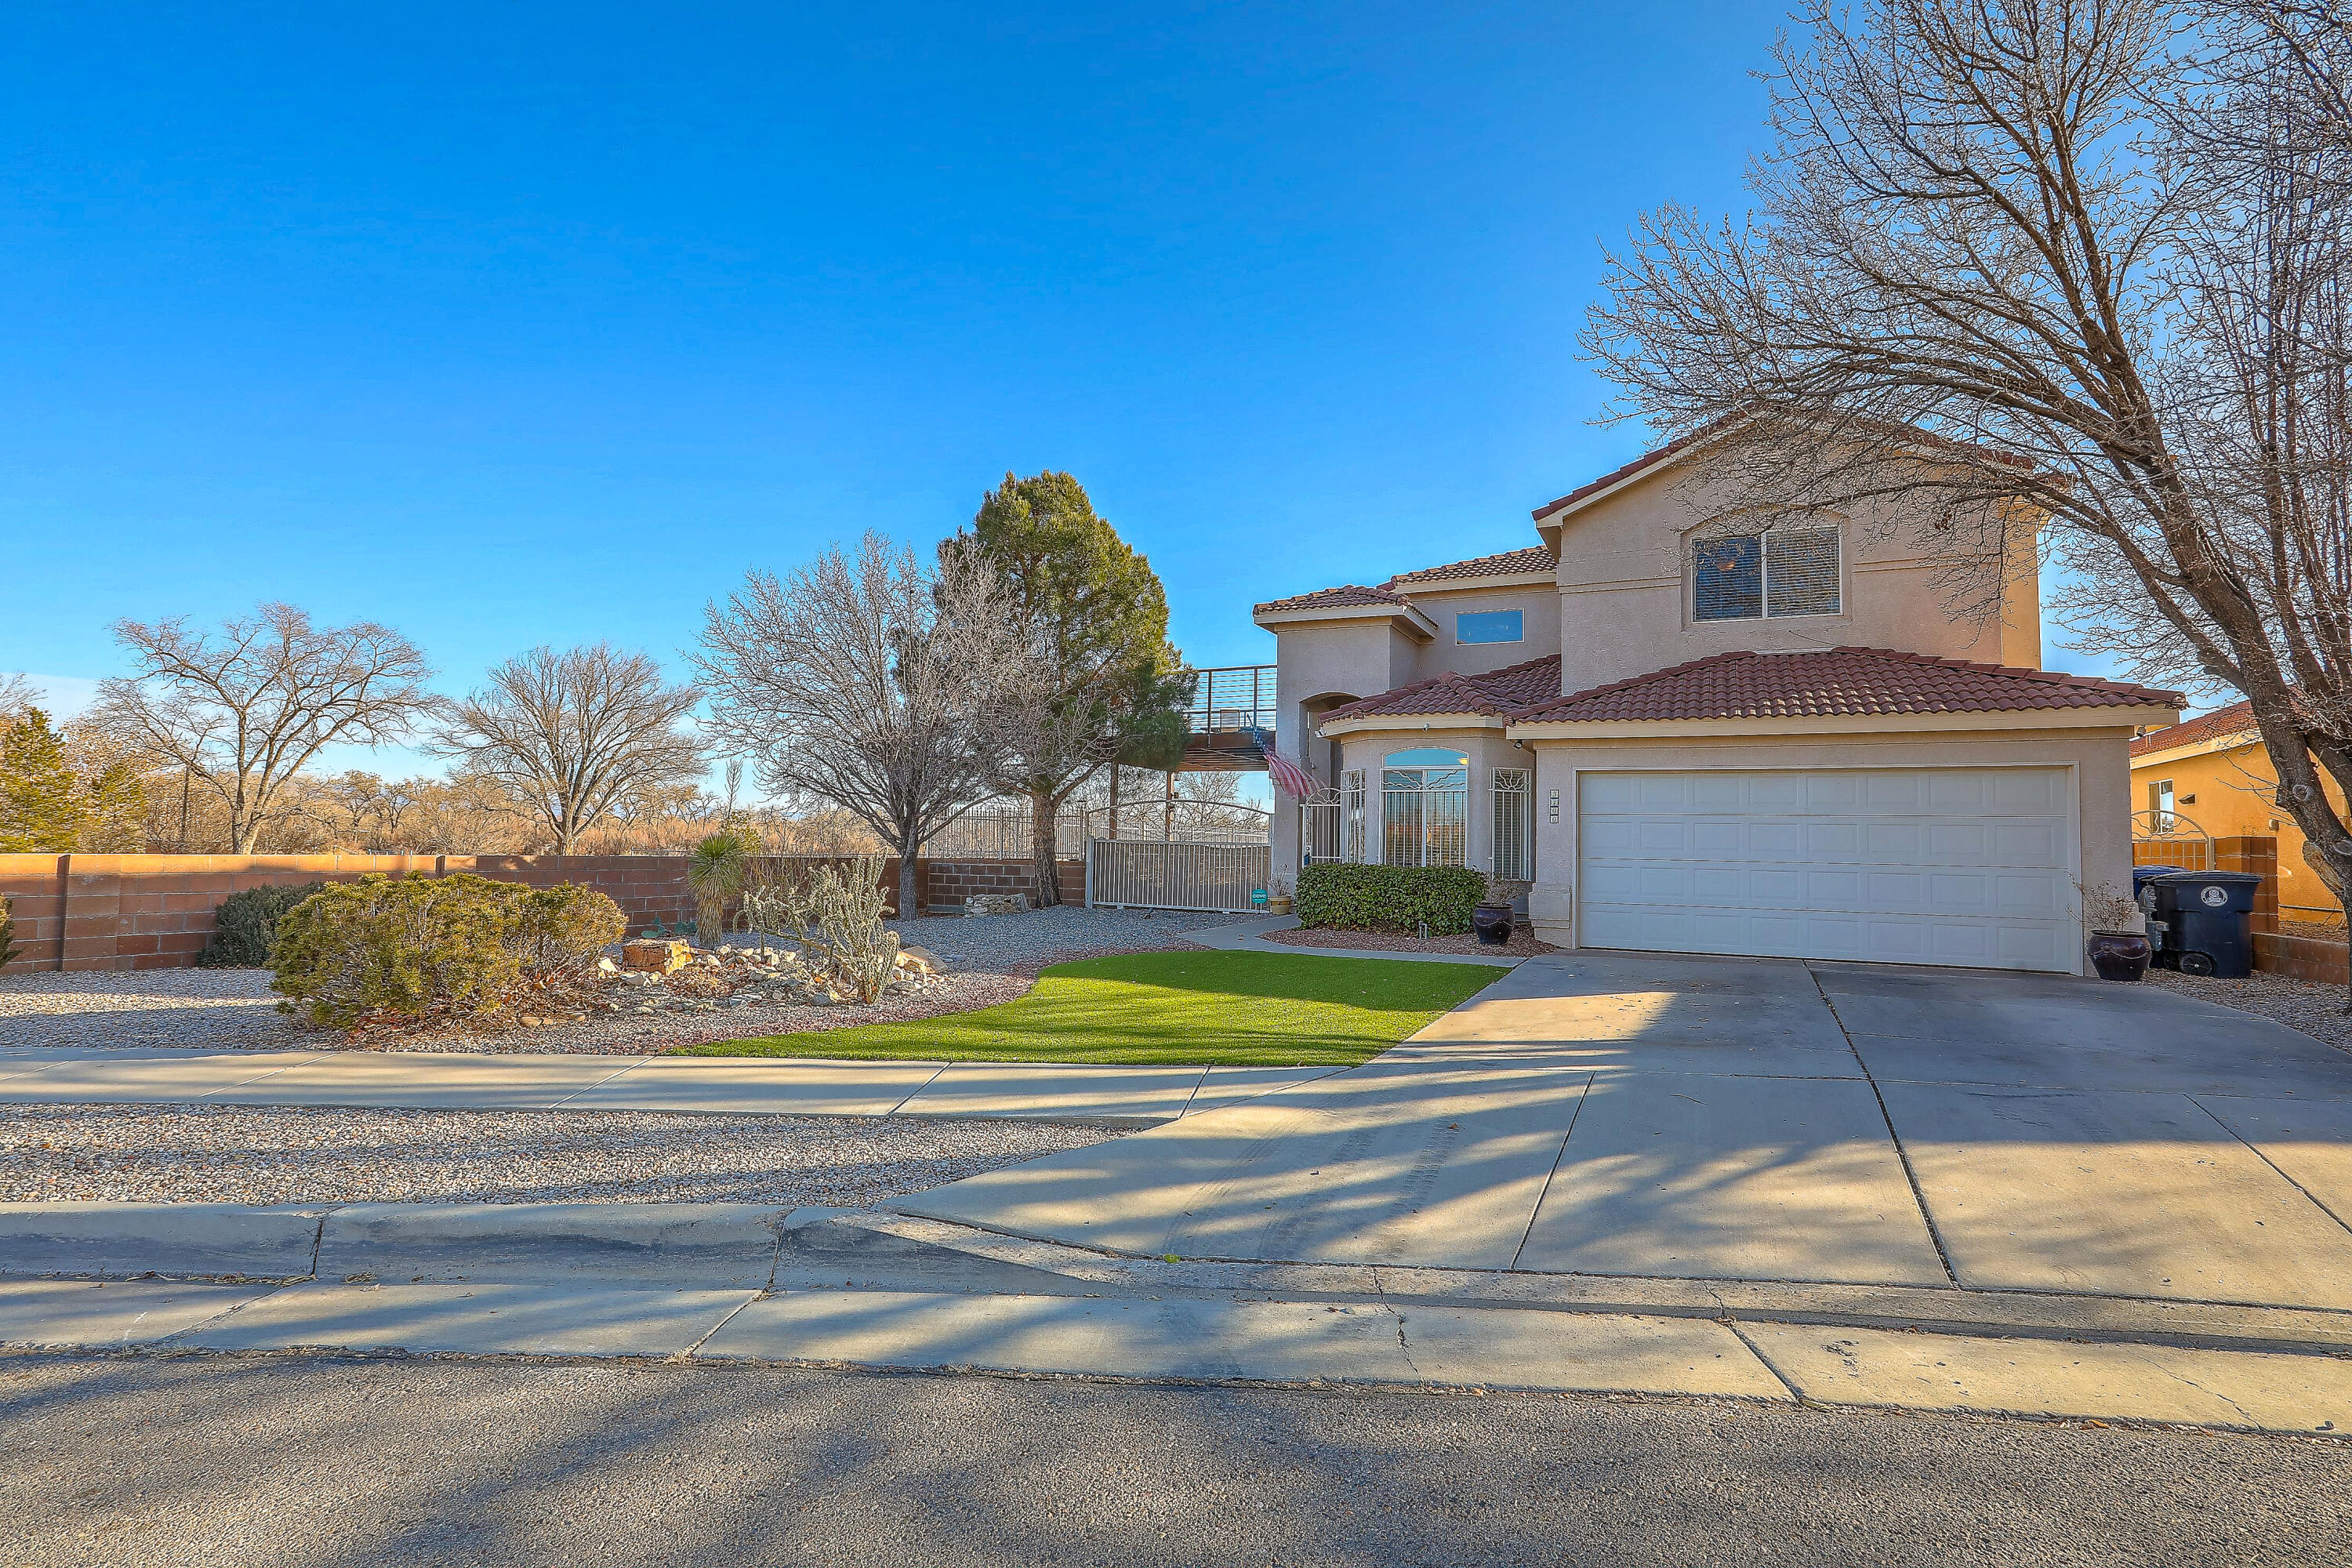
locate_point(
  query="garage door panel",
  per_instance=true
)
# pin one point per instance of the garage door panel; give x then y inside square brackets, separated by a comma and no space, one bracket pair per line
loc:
[1951,867]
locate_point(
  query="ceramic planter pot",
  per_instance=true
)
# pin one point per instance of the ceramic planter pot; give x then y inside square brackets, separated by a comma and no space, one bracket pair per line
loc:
[1279,904]
[2119,954]
[1493,924]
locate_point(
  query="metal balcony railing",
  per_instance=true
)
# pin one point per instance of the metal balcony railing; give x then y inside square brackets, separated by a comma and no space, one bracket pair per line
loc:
[1232,698]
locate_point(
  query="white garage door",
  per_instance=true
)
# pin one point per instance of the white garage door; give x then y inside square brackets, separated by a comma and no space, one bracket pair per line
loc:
[1951,866]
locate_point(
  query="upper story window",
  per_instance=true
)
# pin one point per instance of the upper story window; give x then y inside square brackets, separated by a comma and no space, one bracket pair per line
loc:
[1751,576]
[1487,625]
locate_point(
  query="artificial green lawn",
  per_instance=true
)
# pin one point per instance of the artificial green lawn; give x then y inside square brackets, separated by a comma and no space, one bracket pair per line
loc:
[1252,1009]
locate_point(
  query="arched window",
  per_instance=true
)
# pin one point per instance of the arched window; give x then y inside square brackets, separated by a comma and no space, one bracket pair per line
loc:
[1425,807]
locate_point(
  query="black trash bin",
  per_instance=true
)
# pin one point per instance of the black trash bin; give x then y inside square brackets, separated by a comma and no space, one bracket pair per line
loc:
[2207,922]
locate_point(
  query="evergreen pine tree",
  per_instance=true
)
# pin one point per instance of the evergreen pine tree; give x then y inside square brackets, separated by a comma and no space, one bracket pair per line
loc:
[41,812]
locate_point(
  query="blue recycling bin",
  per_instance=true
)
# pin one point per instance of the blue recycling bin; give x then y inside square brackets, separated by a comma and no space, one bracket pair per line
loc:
[2205,921]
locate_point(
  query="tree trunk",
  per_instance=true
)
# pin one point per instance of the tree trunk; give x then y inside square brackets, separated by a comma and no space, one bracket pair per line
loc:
[1115,770]
[1167,813]
[907,906]
[1042,847]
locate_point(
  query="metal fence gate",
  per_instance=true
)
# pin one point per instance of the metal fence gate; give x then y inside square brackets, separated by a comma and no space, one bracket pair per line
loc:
[1156,874]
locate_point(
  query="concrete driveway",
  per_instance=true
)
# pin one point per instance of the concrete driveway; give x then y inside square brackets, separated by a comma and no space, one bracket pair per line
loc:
[1714,1119]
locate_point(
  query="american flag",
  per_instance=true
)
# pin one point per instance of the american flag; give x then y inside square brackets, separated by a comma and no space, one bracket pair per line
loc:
[1288,776]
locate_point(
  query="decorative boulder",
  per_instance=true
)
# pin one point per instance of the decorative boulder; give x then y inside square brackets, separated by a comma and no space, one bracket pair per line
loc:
[656,957]
[919,960]
[996,904]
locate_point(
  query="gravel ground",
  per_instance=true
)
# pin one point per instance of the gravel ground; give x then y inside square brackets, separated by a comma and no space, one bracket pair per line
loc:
[142,1153]
[285,1460]
[2306,1005]
[1024,943]
[1523,943]
[991,961]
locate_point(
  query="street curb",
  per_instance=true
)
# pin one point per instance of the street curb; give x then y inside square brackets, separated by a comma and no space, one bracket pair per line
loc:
[195,1240]
[707,1246]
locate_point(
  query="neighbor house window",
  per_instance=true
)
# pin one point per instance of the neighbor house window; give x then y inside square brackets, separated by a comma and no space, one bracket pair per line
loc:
[1753,576]
[1425,807]
[1515,846]
[2159,804]
[1487,625]
[1351,817]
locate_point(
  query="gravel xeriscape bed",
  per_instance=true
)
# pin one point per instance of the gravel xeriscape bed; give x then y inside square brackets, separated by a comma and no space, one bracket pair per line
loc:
[2306,1005]
[991,961]
[142,1153]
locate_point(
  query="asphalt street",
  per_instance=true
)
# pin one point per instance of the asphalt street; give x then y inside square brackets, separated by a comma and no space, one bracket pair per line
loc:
[275,1460]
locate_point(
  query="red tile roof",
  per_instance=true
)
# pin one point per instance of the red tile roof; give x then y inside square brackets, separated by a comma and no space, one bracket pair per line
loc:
[1659,455]
[1841,683]
[2237,719]
[1501,692]
[1646,459]
[1534,558]
[1332,598]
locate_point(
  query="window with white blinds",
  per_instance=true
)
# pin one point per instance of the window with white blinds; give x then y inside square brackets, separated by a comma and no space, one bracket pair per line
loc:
[1752,576]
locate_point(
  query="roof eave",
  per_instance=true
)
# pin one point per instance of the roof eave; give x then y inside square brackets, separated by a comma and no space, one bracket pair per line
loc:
[1413,622]
[1371,723]
[1473,585]
[2105,716]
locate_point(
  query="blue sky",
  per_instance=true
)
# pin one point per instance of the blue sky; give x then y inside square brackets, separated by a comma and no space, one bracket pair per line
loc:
[506,324]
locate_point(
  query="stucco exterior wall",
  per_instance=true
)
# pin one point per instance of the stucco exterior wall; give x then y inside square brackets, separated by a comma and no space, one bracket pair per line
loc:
[2234,789]
[1314,666]
[2100,758]
[1624,585]
[1538,606]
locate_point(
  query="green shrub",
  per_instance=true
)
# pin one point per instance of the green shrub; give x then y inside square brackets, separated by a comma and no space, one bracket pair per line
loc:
[411,948]
[1390,898]
[245,926]
[9,951]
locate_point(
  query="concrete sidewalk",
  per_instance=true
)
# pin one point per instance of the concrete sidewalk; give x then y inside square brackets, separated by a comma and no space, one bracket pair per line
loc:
[721,1283]
[732,1085]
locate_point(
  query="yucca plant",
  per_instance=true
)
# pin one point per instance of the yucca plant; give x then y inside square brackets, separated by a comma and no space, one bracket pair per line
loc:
[718,871]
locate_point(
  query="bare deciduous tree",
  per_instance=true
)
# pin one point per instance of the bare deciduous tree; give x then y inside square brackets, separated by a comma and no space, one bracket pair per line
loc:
[1989,281]
[863,682]
[243,712]
[573,733]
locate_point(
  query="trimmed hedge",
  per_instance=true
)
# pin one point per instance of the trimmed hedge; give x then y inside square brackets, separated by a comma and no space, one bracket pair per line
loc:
[1390,898]
[245,926]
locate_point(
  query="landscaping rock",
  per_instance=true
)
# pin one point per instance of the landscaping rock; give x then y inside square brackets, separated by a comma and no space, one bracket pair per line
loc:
[656,957]
[919,960]
[995,904]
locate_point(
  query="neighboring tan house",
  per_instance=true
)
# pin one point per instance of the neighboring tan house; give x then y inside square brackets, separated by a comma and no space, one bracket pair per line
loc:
[2211,771]
[1701,736]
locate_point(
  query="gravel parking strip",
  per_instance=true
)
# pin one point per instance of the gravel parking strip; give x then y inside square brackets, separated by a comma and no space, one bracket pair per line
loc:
[141,1154]
[2306,1005]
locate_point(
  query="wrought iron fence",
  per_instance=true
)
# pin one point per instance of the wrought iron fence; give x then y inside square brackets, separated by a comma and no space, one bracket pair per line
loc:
[1162,874]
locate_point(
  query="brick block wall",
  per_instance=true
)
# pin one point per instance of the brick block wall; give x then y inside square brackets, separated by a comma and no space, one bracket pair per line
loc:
[155,911]
[2296,956]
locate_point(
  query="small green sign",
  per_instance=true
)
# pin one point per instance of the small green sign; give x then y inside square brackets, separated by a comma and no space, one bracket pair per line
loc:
[1258,898]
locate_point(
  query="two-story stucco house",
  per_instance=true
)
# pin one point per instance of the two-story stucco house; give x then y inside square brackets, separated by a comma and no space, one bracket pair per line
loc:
[1689,734]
